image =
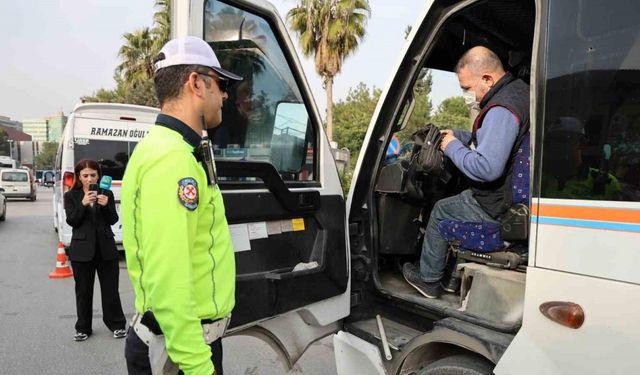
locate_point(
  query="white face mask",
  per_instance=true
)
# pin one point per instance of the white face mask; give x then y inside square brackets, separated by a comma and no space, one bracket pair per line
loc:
[470,99]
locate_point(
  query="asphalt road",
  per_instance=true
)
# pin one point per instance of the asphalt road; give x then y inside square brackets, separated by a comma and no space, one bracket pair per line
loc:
[37,314]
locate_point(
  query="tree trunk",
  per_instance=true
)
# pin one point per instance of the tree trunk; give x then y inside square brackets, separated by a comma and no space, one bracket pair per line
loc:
[329,88]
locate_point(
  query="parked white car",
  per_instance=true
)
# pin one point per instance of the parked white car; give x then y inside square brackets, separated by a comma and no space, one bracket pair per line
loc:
[18,183]
[3,205]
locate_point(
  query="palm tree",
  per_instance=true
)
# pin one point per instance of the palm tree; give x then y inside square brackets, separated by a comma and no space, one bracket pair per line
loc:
[162,23]
[137,55]
[143,45]
[330,30]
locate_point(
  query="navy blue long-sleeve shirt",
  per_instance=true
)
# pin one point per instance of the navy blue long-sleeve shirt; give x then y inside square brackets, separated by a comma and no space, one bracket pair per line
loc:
[495,138]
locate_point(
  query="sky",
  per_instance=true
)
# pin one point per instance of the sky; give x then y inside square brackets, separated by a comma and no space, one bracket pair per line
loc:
[54,52]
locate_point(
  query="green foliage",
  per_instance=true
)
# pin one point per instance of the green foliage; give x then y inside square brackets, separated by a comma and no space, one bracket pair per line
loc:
[142,94]
[329,30]
[4,143]
[47,156]
[421,114]
[452,113]
[162,21]
[352,116]
[103,96]
[134,75]
[136,55]
[346,176]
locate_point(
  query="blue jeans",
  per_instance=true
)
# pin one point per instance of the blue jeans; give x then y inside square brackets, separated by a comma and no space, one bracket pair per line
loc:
[433,258]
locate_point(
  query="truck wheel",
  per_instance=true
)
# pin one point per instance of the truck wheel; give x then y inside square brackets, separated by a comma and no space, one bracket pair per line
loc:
[461,364]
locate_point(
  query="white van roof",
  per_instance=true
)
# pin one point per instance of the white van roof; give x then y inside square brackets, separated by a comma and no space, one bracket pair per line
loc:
[115,111]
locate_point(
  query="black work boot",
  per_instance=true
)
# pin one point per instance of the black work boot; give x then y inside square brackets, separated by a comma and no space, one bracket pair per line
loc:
[412,275]
[452,285]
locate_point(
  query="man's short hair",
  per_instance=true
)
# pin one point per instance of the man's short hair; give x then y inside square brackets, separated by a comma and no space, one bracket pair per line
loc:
[169,81]
[480,59]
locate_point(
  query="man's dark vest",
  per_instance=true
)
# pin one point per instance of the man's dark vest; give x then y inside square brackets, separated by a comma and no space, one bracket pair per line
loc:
[513,94]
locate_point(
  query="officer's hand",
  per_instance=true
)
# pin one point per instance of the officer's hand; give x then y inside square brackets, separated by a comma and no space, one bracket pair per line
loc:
[103,200]
[448,137]
[89,197]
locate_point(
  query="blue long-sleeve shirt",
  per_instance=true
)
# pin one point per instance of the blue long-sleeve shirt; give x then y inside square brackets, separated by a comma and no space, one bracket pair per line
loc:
[495,139]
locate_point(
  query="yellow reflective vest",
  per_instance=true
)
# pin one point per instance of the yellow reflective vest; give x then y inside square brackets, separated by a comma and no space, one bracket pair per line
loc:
[178,248]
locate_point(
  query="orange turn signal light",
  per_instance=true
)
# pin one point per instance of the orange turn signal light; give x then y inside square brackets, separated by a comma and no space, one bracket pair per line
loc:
[568,314]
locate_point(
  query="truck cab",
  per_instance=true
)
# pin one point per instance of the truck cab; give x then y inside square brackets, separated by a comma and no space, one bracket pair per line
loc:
[312,263]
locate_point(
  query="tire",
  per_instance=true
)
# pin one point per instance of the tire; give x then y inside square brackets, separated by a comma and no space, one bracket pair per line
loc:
[461,364]
[4,213]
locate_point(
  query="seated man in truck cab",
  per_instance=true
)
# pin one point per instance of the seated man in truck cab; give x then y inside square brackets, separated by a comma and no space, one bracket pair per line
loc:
[500,127]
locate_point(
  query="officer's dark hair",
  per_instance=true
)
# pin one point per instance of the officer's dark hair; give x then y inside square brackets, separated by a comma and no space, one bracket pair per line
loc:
[169,81]
[82,164]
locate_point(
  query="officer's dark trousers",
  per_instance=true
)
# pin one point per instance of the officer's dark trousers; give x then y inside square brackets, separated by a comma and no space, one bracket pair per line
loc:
[137,354]
[84,274]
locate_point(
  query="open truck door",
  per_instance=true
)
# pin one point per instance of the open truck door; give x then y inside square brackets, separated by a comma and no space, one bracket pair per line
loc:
[282,193]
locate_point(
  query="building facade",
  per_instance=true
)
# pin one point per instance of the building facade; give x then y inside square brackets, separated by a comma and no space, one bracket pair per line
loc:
[9,123]
[47,129]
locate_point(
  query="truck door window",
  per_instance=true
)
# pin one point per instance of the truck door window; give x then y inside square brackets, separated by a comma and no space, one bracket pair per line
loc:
[591,146]
[264,118]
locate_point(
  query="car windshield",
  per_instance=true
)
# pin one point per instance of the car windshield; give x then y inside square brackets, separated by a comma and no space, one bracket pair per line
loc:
[14,177]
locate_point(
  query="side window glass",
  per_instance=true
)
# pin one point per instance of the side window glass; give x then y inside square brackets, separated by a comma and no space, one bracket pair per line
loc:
[443,107]
[264,119]
[591,137]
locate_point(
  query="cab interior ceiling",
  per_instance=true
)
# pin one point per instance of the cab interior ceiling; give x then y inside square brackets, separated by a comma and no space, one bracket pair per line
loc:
[505,26]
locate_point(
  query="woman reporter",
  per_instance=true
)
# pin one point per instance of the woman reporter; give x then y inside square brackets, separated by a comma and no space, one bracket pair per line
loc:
[91,214]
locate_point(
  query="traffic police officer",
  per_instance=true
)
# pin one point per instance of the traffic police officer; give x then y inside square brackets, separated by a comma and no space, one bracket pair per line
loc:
[178,248]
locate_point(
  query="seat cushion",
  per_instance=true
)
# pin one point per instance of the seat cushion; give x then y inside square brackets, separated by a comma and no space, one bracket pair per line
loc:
[520,174]
[479,236]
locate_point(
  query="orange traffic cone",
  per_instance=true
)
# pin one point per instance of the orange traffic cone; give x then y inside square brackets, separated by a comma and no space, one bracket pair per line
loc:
[62,266]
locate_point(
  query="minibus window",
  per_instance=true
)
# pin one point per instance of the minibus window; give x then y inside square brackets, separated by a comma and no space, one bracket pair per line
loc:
[591,135]
[111,155]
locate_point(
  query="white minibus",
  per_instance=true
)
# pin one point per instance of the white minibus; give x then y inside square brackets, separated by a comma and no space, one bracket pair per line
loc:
[106,133]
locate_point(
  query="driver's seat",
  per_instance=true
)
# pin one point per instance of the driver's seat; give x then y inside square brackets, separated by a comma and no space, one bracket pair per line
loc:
[484,242]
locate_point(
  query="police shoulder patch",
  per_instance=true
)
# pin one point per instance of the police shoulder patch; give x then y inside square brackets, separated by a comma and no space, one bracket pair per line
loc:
[188,193]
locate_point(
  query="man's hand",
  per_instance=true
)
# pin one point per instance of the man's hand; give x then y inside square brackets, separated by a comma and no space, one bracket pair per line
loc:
[103,200]
[448,137]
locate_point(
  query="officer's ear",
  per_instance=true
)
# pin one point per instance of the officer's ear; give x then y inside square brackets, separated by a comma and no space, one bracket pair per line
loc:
[193,84]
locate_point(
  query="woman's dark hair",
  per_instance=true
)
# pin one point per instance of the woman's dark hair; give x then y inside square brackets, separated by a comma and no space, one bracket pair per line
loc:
[82,164]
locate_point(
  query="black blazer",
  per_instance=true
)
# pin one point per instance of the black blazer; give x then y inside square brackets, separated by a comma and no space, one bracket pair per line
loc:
[90,225]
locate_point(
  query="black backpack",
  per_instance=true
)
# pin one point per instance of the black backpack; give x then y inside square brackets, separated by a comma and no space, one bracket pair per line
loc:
[426,158]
